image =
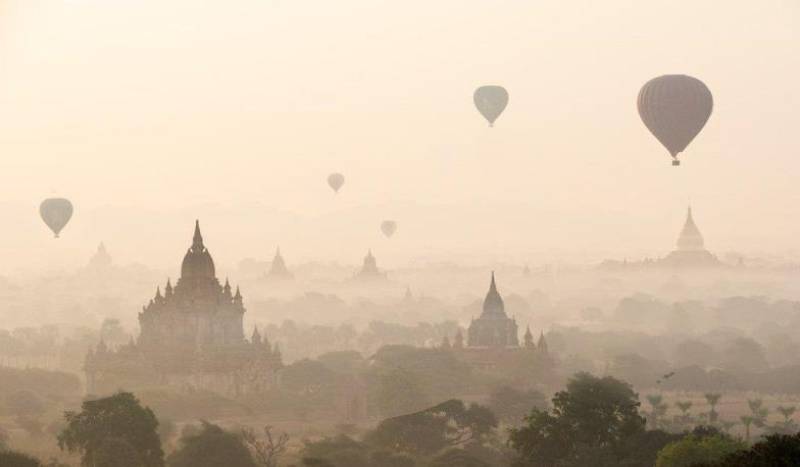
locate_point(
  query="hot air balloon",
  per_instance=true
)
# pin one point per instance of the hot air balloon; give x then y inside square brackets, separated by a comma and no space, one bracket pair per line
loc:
[336,180]
[490,101]
[388,228]
[675,108]
[56,212]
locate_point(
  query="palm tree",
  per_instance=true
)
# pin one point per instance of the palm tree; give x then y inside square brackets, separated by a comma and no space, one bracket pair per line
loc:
[659,408]
[787,413]
[684,418]
[788,426]
[759,412]
[713,399]
[746,421]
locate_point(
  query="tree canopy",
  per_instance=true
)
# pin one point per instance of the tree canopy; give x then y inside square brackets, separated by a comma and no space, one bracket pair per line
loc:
[449,424]
[211,447]
[119,418]
[773,451]
[693,449]
[17,459]
[588,425]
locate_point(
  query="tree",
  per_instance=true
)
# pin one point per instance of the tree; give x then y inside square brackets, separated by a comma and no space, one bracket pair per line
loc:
[398,391]
[17,459]
[116,452]
[774,451]
[788,425]
[211,447]
[385,458]
[685,419]
[758,411]
[339,451]
[119,417]
[457,458]
[743,354]
[747,420]
[713,399]
[510,405]
[3,439]
[589,422]
[267,450]
[693,352]
[449,424]
[693,449]
[657,410]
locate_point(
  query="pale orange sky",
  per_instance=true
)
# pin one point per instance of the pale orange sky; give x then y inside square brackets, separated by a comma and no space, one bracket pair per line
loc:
[149,113]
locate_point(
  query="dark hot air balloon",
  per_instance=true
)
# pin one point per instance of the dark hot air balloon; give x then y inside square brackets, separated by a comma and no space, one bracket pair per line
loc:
[675,108]
[336,180]
[490,101]
[56,212]
[388,228]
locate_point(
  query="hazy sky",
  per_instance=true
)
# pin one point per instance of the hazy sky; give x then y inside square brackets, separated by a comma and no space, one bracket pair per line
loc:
[149,113]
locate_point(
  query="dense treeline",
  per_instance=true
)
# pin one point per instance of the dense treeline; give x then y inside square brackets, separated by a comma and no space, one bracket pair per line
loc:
[593,421]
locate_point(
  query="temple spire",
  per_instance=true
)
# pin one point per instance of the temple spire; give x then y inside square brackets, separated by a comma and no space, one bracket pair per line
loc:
[542,344]
[493,303]
[197,240]
[690,238]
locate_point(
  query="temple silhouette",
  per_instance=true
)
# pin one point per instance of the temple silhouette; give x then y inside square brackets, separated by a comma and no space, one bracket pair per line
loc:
[493,328]
[492,342]
[191,337]
[369,270]
[690,248]
[278,269]
[689,253]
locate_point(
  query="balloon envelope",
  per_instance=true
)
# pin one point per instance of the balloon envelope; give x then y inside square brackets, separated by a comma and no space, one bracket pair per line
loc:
[335,181]
[490,101]
[388,228]
[56,212]
[675,108]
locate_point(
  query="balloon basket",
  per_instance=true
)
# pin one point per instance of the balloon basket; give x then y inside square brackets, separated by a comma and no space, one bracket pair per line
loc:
[676,163]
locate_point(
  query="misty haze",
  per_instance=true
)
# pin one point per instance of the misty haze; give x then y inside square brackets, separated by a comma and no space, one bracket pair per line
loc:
[296,233]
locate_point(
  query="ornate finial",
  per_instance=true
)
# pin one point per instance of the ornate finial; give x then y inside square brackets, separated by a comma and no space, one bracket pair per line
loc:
[238,296]
[158,292]
[197,241]
[168,288]
[493,286]
[256,340]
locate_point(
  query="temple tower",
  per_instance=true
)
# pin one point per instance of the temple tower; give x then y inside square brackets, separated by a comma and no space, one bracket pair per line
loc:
[493,328]
[278,269]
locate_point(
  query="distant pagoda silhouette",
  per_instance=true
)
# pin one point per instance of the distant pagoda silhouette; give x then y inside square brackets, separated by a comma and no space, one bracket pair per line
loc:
[101,259]
[369,270]
[278,269]
[690,248]
[493,328]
